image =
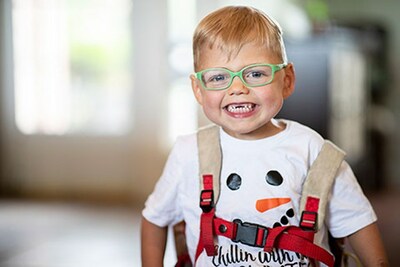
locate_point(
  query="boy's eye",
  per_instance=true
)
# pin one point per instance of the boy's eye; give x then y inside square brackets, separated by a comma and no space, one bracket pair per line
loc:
[217,78]
[255,74]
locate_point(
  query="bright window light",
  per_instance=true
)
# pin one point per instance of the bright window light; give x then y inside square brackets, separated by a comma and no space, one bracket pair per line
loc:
[72,66]
[182,107]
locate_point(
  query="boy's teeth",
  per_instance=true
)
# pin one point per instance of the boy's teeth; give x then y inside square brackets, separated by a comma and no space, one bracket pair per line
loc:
[242,108]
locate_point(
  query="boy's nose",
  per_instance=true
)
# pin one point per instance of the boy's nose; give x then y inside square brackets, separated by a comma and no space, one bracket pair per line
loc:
[237,87]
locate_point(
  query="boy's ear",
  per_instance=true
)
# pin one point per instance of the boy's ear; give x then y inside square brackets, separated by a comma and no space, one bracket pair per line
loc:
[196,89]
[289,80]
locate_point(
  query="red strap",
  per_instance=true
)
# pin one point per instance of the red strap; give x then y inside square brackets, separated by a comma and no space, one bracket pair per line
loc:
[183,260]
[295,239]
[206,239]
[312,204]
[208,182]
[304,247]
[287,238]
[224,228]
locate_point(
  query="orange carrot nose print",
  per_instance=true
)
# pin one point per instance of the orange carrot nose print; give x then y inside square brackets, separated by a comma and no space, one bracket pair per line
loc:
[262,205]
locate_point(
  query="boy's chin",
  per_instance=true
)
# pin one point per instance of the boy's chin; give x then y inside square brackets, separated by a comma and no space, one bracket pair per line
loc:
[252,133]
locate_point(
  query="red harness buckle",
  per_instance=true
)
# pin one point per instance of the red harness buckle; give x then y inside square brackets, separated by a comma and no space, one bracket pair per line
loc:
[309,220]
[207,200]
[251,234]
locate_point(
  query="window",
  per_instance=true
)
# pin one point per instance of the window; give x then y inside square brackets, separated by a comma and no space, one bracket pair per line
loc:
[72,66]
[182,105]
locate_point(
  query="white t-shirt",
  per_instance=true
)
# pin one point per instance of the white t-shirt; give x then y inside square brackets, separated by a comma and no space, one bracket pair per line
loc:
[254,172]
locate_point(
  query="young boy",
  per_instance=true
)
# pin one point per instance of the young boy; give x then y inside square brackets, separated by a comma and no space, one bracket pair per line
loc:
[242,78]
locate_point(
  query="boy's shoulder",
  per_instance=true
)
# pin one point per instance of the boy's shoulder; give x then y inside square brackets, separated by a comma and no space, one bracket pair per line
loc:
[185,144]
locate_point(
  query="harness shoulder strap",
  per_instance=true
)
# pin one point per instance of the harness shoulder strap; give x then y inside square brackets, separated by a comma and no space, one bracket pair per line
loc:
[210,157]
[319,181]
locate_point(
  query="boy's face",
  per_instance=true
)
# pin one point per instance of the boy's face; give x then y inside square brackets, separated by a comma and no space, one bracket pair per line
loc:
[241,111]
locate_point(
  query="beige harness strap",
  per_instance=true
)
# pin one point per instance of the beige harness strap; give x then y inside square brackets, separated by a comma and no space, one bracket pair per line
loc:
[210,156]
[320,178]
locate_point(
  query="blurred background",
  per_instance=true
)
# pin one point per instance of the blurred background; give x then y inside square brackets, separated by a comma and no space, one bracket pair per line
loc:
[94,93]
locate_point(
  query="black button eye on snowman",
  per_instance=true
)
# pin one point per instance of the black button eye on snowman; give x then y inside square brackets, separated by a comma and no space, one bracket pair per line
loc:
[234,181]
[274,178]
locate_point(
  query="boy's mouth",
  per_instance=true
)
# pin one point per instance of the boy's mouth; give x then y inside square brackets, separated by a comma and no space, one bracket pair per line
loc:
[240,108]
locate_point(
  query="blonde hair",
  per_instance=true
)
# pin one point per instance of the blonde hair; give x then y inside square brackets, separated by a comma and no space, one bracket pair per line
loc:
[231,27]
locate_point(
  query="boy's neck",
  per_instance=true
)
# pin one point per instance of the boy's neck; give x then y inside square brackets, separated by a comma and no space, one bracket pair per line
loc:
[272,128]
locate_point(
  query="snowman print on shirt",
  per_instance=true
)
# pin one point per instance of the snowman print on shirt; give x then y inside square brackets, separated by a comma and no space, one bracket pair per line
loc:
[272,178]
[278,211]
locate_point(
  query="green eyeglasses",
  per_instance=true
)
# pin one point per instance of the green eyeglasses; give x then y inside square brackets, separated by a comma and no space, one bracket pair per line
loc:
[252,76]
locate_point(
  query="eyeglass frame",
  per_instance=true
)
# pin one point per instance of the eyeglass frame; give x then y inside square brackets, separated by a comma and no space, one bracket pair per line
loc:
[233,74]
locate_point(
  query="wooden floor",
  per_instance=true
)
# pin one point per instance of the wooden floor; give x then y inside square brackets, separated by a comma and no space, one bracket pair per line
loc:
[39,234]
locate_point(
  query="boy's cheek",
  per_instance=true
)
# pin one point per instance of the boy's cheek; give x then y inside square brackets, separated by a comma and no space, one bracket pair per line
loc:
[211,99]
